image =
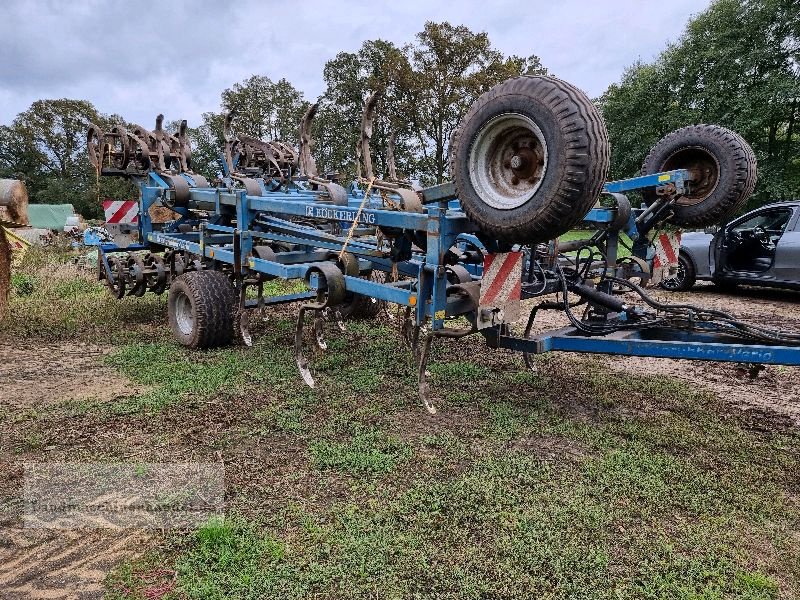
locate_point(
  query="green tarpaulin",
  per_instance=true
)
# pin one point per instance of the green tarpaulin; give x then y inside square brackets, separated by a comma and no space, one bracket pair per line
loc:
[49,216]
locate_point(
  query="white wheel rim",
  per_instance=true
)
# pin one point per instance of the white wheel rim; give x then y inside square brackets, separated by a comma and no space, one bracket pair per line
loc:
[183,314]
[507,161]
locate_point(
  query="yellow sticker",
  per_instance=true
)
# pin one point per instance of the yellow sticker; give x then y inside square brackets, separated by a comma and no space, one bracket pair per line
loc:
[439,314]
[211,254]
[252,262]
[412,301]
[664,177]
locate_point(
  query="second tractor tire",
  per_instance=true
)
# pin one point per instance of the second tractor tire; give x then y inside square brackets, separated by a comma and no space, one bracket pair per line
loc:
[529,159]
[201,308]
[723,166]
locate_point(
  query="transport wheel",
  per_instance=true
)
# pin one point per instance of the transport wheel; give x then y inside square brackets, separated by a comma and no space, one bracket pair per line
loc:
[529,159]
[722,167]
[684,279]
[201,309]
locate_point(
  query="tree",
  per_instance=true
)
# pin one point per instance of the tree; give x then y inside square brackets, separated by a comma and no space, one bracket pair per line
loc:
[426,89]
[262,108]
[45,146]
[720,71]
[378,66]
[452,67]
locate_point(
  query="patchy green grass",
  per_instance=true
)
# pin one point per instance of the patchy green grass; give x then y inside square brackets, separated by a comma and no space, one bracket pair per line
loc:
[582,484]
[572,482]
[367,452]
[52,299]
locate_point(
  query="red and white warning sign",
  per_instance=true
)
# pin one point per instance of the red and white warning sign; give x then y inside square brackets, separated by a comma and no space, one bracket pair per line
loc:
[501,286]
[121,211]
[665,262]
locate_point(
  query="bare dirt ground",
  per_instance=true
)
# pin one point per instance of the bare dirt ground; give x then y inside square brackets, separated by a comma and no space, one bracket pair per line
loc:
[37,375]
[56,563]
[774,391]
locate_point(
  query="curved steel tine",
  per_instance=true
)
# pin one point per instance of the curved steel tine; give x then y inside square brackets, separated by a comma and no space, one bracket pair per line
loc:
[319,330]
[243,328]
[302,361]
[424,387]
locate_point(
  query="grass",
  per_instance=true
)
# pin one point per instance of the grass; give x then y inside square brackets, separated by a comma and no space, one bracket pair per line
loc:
[584,234]
[571,482]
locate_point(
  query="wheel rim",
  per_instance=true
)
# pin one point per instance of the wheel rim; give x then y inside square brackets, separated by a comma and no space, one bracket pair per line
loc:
[703,173]
[184,317]
[673,283]
[507,161]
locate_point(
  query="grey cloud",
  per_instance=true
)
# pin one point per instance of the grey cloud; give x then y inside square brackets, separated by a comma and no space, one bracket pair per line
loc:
[139,59]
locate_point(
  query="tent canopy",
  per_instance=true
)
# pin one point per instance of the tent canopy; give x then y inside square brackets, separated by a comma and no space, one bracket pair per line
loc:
[49,216]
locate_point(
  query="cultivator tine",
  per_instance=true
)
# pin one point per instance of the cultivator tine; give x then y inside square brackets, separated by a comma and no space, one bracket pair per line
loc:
[319,330]
[300,358]
[367,118]
[422,375]
[307,165]
[390,164]
[424,357]
[243,327]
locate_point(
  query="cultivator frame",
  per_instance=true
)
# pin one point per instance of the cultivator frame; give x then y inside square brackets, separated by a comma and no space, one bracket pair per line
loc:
[272,216]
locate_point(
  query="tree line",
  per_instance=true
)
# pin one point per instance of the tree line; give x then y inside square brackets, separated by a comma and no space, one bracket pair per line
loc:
[737,64]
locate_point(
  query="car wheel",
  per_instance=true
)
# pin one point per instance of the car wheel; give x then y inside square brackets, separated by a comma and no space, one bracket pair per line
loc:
[684,279]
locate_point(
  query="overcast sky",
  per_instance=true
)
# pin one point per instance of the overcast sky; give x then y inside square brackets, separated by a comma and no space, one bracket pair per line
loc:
[141,58]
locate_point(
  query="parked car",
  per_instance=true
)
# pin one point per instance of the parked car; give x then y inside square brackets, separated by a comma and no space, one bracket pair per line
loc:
[760,248]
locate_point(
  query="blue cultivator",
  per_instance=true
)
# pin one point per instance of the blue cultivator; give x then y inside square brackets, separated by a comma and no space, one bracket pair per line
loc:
[529,162]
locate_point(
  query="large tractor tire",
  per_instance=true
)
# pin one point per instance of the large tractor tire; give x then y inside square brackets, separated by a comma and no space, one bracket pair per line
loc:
[722,167]
[201,307]
[529,159]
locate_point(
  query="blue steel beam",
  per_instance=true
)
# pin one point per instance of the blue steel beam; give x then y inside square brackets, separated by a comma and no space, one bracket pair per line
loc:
[699,346]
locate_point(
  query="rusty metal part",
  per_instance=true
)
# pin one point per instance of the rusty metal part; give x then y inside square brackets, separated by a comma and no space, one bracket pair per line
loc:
[704,171]
[469,291]
[633,267]
[250,185]
[331,292]
[458,274]
[116,276]
[424,387]
[307,165]
[335,192]
[184,150]
[265,253]
[161,144]
[199,180]
[367,118]
[623,212]
[136,275]
[95,141]
[157,275]
[409,200]
[180,187]
[232,144]
[390,164]
[140,151]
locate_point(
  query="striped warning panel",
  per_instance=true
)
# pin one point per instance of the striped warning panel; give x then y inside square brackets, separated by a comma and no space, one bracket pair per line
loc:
[667,245]
[121,211]
[501,286]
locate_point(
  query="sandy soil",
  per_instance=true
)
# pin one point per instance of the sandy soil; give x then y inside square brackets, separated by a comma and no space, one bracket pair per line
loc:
[33,376]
